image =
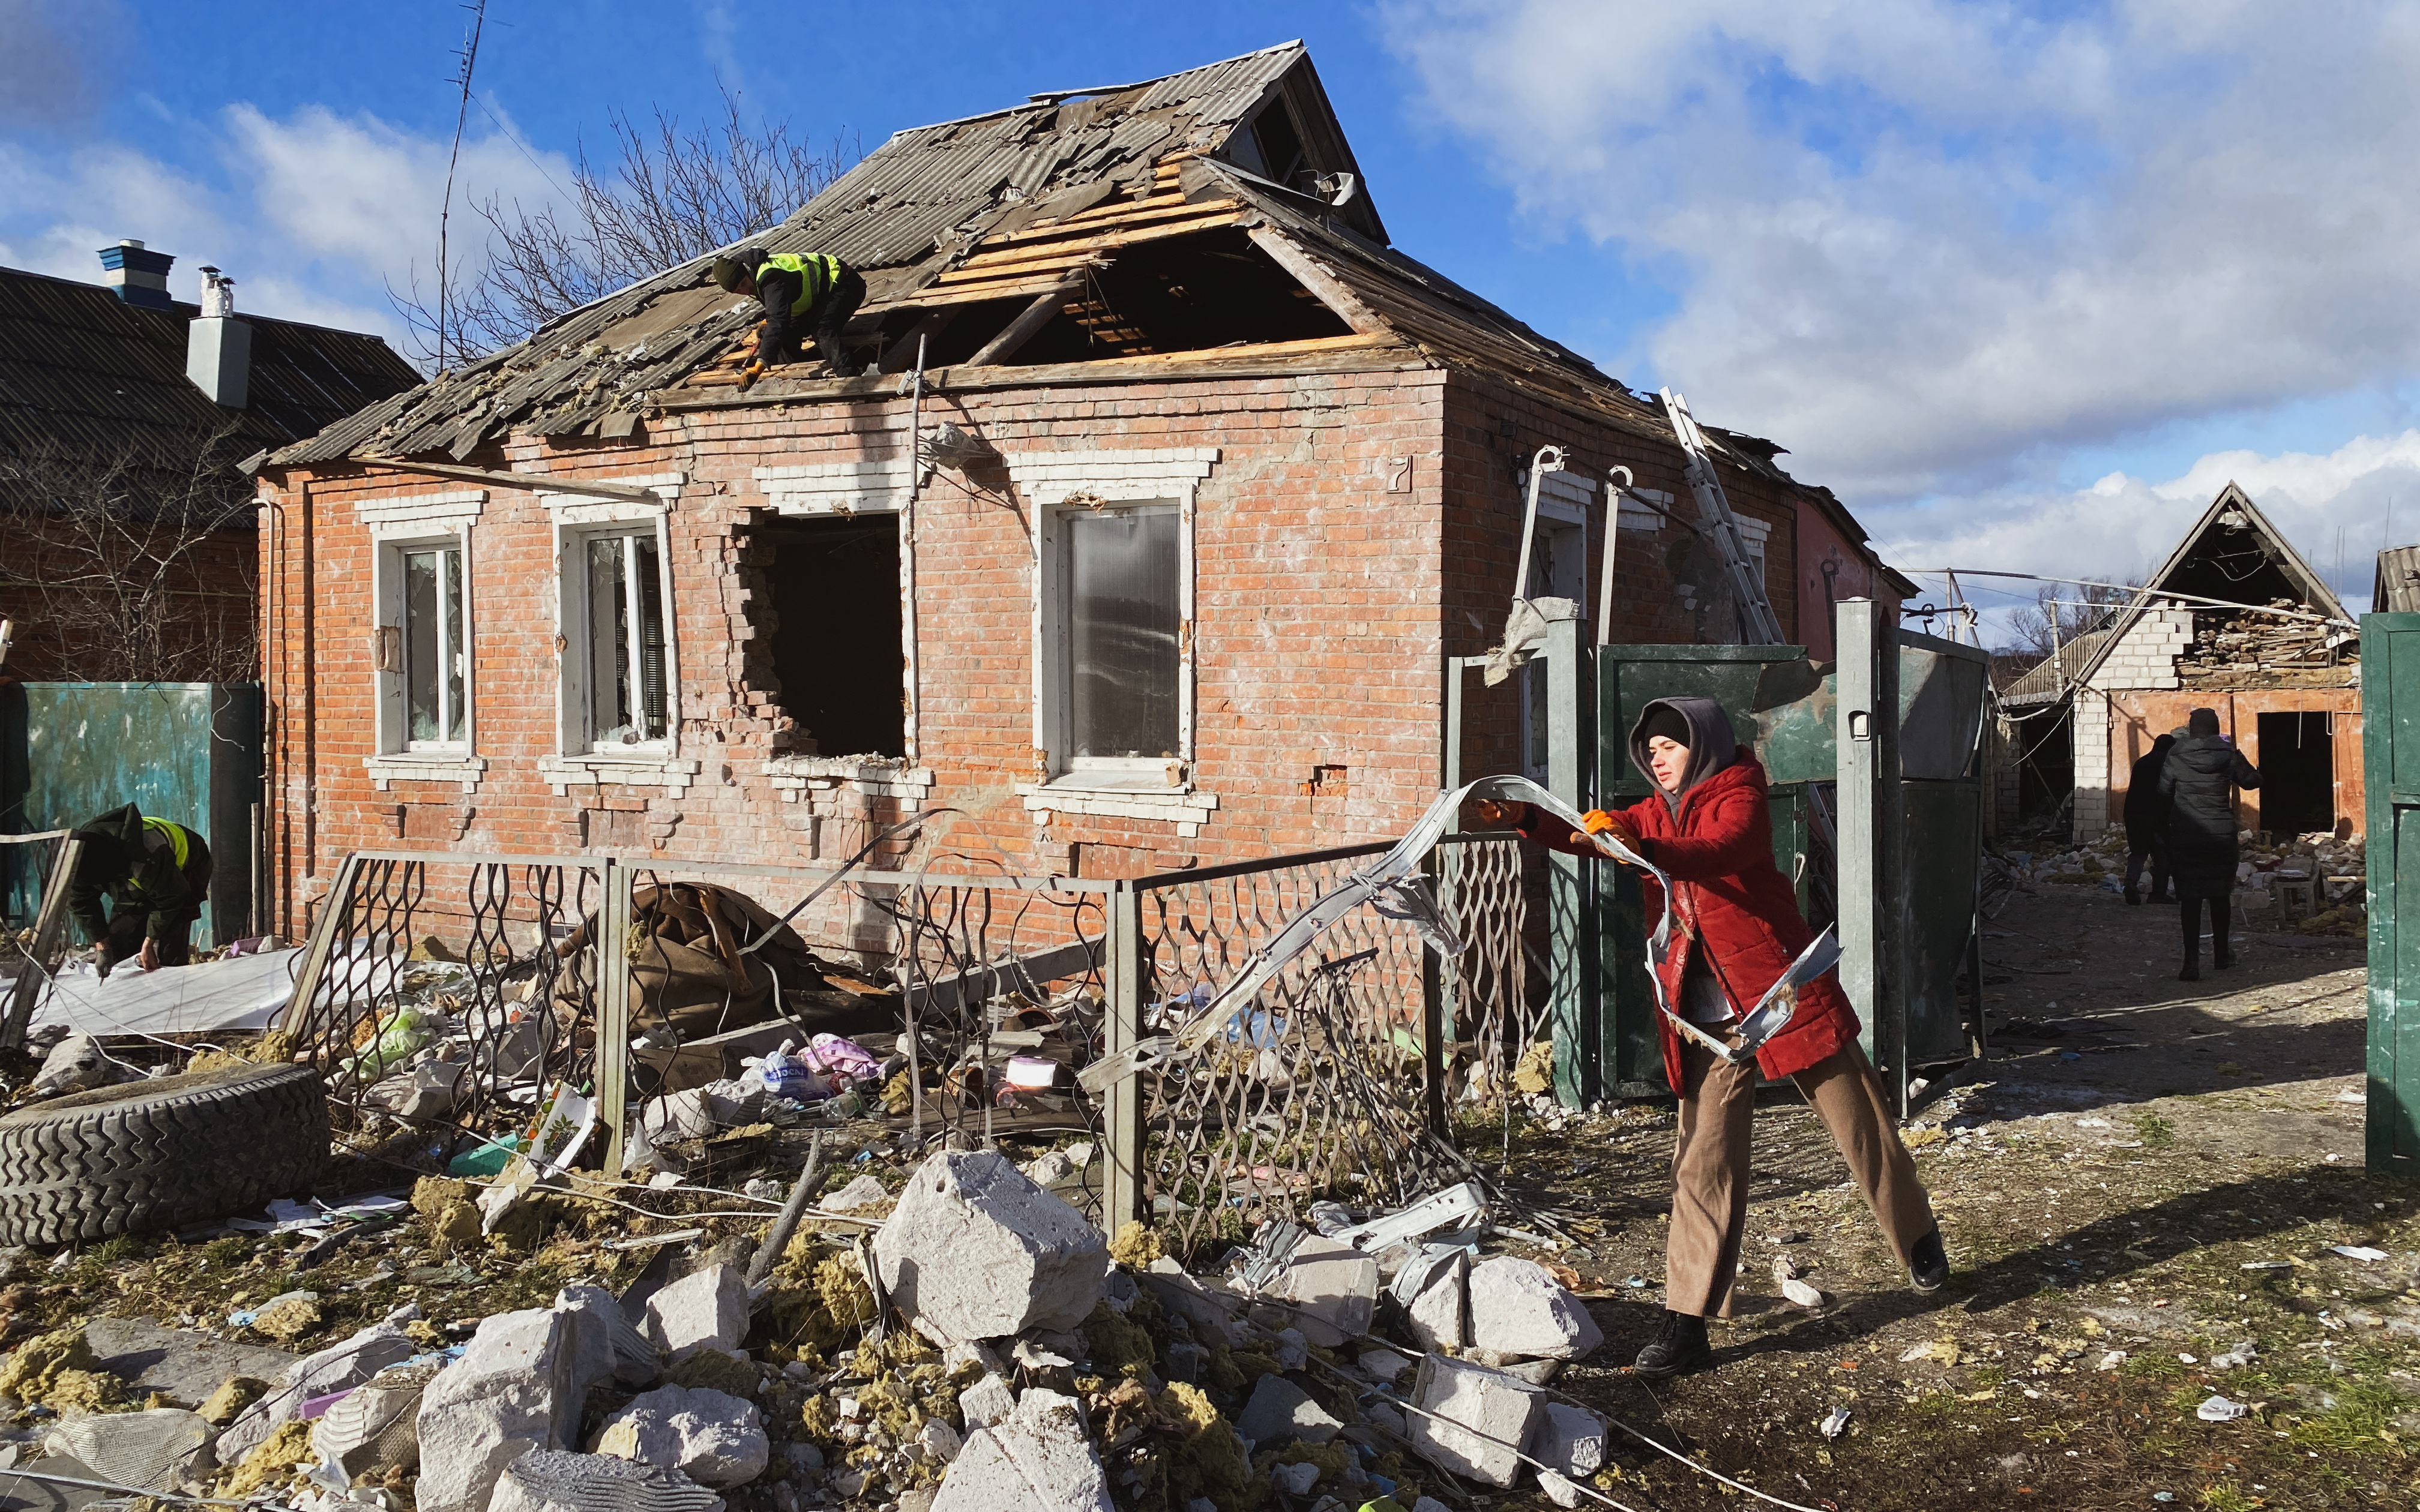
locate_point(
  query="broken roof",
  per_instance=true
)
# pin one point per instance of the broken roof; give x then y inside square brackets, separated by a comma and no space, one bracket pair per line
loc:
[85,373]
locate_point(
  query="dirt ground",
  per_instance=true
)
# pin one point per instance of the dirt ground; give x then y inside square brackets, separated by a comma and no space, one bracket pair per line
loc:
[2149,1174]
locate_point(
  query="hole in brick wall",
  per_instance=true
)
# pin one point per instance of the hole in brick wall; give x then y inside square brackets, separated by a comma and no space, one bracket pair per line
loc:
[616,828]
[830,627]
[1327,782]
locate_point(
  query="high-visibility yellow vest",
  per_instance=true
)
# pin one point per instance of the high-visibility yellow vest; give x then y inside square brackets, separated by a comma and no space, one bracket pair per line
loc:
[177,837]
[817,272]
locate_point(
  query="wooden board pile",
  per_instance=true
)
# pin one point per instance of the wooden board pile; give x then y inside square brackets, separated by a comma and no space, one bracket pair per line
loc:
[2257,649]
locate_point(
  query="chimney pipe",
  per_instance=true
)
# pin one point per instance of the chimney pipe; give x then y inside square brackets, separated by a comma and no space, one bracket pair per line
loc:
[137,275]
[218,347]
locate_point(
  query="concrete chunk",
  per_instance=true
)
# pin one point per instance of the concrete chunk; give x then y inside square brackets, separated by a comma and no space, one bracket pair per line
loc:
[1189,1300]
[1039,1459]
[864,1192]
[545,1480]
[516,1388]
[703,1309]
[142,1449]
[1571,1439]
[1439,1313]
[377,1426]
[709,1436]
[347,1362]
[986,1403]
[616,1349]
[1280,1411]
[1332,1287]
[1517,1308]
[1487,1416]
[976,1250]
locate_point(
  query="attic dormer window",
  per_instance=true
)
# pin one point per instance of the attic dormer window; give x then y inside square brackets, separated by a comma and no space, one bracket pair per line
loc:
[1271,147]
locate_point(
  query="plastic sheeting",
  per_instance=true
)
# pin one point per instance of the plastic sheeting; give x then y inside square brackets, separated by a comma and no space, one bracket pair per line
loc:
[246,991]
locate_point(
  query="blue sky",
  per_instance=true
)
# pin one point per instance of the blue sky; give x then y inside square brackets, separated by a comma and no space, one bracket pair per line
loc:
[2024,283]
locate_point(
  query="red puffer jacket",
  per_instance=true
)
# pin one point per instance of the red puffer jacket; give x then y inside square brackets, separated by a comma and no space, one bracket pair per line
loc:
[1733,903]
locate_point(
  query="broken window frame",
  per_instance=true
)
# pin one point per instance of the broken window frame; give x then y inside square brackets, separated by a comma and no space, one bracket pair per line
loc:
[1055,733]
[577,524]
[393,704]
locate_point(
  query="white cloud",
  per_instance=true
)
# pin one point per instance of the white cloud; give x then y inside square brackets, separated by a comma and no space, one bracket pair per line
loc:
[2337,508]
[315,215]
[1925,242]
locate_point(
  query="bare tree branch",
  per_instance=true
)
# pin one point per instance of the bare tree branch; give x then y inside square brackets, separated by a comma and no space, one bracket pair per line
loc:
[2062,611]
[670,194]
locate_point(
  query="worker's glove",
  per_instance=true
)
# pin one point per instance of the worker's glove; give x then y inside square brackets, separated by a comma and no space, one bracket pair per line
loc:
[1598,822]
[749,374]
[1497,813]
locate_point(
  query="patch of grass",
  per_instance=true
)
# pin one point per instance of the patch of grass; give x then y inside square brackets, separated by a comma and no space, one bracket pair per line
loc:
[2357,1423]
[2156,1132]
[2225,1496]
[115,1250]
[2152,1367]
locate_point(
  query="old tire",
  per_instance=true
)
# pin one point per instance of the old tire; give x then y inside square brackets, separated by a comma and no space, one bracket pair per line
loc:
[154,1154]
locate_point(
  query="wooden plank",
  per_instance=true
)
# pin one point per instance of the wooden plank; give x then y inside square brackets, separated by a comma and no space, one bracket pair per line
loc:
[1316,278]
[1107,242]
[535,482]
[334,910]
[45,956]
[1142,212]
[1033,318]
[902,351]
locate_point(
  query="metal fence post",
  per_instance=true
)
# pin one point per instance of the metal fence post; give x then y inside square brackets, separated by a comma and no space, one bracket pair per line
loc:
[1121,1115]
[1567,910]
[614,1009]
[1872,908]
[1434,970]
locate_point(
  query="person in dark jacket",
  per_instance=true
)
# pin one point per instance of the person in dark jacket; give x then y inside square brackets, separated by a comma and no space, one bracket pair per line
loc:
[157,876]
[801,292]
[2197,787]
[1737,929]
[2146,815]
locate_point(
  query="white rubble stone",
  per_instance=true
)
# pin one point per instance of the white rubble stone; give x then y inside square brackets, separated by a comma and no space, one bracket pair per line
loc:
[545,1480]
[972,1352]
[862,1193]
[1559,1488]
[1189,1300]
[711,1437]
[1039,1458]
[375,1425]
[975,1250]
[1383,1363]
[1280,1411]
[142,1449]
[1571,1439]
[1440,1313]
[706,1308]
[1293,1350]
[345,1362]
[1295,1479]
[618,1349]
[940,1440]
[1501,1411]
[1333,1288]
[987,1401]
[1517,1308]
[516,1388]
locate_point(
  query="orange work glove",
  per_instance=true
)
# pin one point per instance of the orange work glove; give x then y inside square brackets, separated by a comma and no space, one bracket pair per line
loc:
[749,374]
[1598,822]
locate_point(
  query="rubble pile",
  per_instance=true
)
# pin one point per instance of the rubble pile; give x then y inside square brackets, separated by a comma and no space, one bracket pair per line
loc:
[2312,883]
[948,1334]
[2257,649]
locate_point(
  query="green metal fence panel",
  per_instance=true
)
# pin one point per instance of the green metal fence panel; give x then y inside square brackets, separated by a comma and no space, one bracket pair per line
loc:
[2390,723]
[184,751]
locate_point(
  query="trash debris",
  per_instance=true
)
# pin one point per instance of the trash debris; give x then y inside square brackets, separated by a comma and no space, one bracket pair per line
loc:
[1800,1293]
[2237,1358]
[516,1388]
[2219,1410]
[547,1480]
[2111,1361]
[143,1449]
[2363,1253]
[1835,1423]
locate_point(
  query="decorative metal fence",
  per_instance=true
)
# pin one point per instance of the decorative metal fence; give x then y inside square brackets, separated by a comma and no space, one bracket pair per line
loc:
[1338,1082]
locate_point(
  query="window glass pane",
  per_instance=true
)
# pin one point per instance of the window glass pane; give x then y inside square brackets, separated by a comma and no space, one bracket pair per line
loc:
[608,643]
[1122,628]
[649,590]
[456,665]
[423,657]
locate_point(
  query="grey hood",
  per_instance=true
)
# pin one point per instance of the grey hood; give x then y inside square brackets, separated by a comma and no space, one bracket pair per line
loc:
[1711,745]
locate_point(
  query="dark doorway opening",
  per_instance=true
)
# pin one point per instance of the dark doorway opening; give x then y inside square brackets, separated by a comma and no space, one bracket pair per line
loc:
[2045,750]
[832,588]
[2297,773]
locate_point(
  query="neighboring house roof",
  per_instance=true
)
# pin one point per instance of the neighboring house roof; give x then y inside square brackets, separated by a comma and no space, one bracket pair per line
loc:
[972,221]
[2054,677]
[85,373]
[2200,567]
[2396,588]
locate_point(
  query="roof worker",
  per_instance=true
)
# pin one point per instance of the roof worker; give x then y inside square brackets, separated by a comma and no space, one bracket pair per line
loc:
[2198,786]
[2146,814]
[157,875]
[797,288]
[1737,930]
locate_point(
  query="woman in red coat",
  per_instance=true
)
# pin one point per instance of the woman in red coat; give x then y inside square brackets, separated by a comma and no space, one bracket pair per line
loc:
[1736,929]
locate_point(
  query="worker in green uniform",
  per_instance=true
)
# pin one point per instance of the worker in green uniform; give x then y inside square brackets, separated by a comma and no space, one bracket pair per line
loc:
[800,291]
[157,875]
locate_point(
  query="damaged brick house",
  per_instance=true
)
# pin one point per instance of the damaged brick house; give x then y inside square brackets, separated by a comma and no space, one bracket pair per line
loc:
[2235,620]
[1210,480]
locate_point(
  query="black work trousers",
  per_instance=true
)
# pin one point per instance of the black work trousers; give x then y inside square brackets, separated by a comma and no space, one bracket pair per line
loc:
[2156,854]
[2221,910]
[785,333]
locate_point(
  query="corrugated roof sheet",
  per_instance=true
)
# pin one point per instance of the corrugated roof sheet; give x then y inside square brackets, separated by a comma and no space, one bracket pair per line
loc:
[86,374]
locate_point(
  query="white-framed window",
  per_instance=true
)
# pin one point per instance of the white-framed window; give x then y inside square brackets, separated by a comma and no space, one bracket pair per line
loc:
[1114,633]
[1117,640]
[625,640]
[435,647]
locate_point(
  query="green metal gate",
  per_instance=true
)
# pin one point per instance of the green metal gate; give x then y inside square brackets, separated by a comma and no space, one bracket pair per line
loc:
[2390,738]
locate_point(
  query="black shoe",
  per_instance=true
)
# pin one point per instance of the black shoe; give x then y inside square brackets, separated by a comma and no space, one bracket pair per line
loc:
[2133,898]
[1929,1267]
[2223,960]
[1679,1347]
[2190,973]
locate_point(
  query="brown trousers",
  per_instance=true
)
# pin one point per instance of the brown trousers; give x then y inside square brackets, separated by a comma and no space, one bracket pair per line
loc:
[1710,1171]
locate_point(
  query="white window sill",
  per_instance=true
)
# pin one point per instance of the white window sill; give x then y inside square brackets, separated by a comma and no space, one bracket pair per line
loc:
[795,777]
[425,766]
[636,768]
[1087,795]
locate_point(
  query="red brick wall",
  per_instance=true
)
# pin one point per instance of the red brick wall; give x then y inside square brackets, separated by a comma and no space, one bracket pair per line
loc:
[1329,580]
[2137,718]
